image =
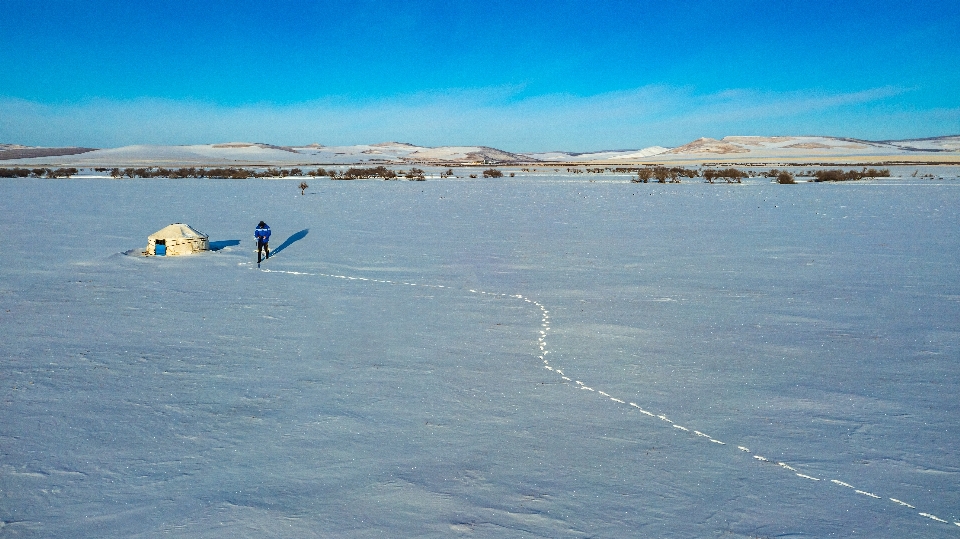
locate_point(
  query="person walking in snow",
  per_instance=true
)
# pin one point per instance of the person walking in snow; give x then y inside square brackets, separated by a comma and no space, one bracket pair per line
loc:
[262,233]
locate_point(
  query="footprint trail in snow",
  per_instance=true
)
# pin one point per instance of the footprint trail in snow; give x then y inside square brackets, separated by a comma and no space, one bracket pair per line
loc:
[696,435]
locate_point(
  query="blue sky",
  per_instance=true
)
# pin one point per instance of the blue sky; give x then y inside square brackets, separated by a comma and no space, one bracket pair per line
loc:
[524,76]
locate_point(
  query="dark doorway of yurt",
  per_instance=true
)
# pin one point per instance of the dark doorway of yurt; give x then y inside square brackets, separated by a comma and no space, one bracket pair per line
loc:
[160,248]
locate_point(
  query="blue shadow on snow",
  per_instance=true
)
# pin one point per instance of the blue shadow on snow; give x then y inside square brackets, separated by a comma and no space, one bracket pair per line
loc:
[297,236]
[217,245]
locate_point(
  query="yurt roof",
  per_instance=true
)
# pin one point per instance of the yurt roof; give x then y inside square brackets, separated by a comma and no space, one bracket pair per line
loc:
[176,230]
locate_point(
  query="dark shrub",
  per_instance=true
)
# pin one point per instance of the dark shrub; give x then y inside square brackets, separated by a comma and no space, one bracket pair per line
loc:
[730,175]
[14,172]
[62,172]
[837,175]
[373,172]
[785,177]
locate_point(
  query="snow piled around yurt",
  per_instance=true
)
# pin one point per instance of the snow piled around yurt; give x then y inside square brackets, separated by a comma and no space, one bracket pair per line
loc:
[177,239]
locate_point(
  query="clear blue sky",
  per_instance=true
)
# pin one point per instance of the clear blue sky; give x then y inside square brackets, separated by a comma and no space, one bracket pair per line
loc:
[576,75]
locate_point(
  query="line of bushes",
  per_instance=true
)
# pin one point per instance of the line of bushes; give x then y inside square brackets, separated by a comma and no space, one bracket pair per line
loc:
[234,173]
[37,172]
[663,174]
[644,175]
[193,172]
[355,173]
[730,175]
[837,175]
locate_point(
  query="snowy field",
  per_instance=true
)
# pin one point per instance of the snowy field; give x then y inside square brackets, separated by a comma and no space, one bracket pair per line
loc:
[521,357]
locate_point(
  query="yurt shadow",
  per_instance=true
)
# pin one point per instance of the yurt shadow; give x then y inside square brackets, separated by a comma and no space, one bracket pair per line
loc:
[218,245]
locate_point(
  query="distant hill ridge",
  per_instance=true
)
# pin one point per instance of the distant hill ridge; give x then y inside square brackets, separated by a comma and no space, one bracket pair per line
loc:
[403,153]
[16,151]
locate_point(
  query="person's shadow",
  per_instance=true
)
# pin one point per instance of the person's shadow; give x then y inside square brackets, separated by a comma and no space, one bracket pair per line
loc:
[297,236]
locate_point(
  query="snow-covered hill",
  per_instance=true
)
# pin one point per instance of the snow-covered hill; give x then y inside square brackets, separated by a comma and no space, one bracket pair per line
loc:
[17,151]
[401,153]
[935,144]
[803,147]
[247,153]
[611,155]
[768,148]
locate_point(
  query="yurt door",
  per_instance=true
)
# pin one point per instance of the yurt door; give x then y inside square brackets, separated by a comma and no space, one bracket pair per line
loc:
[160,249]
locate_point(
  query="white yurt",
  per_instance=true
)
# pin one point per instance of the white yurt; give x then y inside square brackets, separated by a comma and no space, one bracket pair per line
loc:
[176,239]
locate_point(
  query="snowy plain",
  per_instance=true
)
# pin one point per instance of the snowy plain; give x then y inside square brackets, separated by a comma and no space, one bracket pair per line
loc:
[539,356]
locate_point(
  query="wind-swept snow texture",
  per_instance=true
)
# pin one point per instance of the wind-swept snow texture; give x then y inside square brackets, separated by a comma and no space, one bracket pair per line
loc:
[524,357]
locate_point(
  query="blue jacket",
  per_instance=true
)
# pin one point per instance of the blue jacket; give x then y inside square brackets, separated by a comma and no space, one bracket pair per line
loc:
[262,234]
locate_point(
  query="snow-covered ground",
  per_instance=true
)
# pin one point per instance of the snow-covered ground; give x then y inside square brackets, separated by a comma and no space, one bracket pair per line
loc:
[724,360]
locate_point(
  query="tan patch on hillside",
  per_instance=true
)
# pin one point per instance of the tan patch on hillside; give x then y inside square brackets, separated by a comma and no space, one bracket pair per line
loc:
[819,145]
[389,144]
[756,141]
[809,146]
[709,145]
